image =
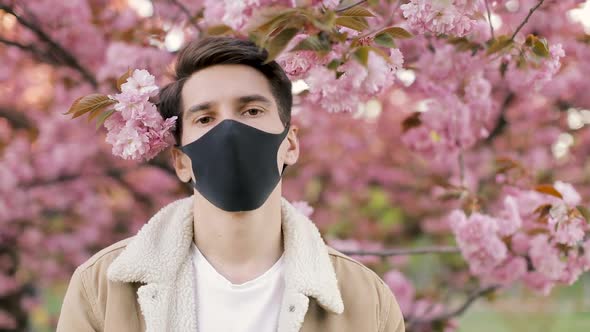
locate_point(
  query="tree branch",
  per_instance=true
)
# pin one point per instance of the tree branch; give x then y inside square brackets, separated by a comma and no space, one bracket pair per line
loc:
[501,123]
[187,13]
[404,251]
[16,119]
[490,19]
[481,292]
[526,19]
[67,57]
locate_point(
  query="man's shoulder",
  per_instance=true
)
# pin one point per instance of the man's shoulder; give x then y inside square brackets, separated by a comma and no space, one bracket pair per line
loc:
[348,268]
[103,258]
[348,262]
[362,290]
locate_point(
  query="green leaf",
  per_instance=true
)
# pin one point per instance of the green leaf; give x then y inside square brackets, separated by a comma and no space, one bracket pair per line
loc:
[385,39]
[91,102]
[540,47]
[354,23]
[463,44]
[499,44]
[334,64]
[361,54]
[103,116]
[217,30]
[585,212]
[313,43]
[325,22]
[397,32]
[274,22]
[278,43]
[356,11]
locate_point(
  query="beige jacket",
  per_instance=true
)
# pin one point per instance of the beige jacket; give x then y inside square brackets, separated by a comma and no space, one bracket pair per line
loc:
[145,283]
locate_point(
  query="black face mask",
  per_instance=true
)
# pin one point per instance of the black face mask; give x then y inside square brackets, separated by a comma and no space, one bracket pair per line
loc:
[235,165]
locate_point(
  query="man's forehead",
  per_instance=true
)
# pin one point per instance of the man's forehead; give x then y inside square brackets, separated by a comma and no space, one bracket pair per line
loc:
[221,83]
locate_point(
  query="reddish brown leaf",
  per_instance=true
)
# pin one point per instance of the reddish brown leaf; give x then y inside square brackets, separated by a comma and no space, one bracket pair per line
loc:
[549,190]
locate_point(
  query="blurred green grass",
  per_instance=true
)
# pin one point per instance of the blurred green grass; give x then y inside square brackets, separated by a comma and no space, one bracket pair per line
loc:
[566,309]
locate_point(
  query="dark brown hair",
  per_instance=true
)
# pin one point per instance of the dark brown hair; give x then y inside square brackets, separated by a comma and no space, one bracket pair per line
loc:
[210,51]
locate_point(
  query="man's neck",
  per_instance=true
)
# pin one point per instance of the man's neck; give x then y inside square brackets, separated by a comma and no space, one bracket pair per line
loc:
[239,245]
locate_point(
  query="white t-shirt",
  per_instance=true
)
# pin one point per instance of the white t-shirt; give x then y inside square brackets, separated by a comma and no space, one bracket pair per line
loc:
[225,307]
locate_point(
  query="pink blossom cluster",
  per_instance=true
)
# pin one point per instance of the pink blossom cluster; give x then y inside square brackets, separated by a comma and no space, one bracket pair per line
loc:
[519,244]
[136,130]
[457,104]
[538,72]
[120,54]
[237,14]
[412,306]
[357,83]
[452,17]
[67,23]
[296,64]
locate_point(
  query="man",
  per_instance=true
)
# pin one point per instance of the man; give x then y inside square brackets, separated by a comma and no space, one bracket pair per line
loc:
[236,255]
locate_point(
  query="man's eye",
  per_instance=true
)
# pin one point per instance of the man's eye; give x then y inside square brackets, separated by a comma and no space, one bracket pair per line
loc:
[254,111]
[204,120]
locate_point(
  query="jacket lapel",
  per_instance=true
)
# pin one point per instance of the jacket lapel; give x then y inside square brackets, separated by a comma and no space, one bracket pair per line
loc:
[159,257]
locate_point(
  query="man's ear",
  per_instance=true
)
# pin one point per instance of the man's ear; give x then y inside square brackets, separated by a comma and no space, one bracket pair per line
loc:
[182,164]
[292,153]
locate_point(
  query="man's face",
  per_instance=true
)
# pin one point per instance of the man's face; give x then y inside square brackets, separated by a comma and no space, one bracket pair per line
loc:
[236,92]
[222,92]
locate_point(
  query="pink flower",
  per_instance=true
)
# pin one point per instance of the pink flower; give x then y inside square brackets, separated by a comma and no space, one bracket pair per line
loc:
[296,64]
[332,94]
[478,240]
[570,231]
[569,193]
[538,282]
[137,130]
[381,74]
[545,257]
[520,243]
[508,272]
[573,269]
[538,73]
[440,16]
[509,220]
[140,83]
[119,55]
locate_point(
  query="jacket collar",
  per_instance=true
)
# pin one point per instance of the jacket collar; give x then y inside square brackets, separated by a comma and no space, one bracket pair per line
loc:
[161,246]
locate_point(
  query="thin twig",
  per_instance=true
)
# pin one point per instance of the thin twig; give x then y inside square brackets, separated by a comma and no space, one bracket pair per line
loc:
[345,8]
[187,13]
[490,19]
[461,167]
[456,312]
[526,19]
[69,59]
[403,251]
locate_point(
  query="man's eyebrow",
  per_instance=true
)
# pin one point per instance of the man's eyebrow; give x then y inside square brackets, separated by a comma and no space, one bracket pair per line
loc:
[250,98]
[199,107]
[241,100]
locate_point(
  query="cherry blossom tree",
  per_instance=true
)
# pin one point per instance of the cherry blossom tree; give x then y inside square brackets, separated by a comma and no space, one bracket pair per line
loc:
[454,128]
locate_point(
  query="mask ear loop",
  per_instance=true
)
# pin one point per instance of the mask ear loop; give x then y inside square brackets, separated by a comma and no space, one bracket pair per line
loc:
[287,129]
